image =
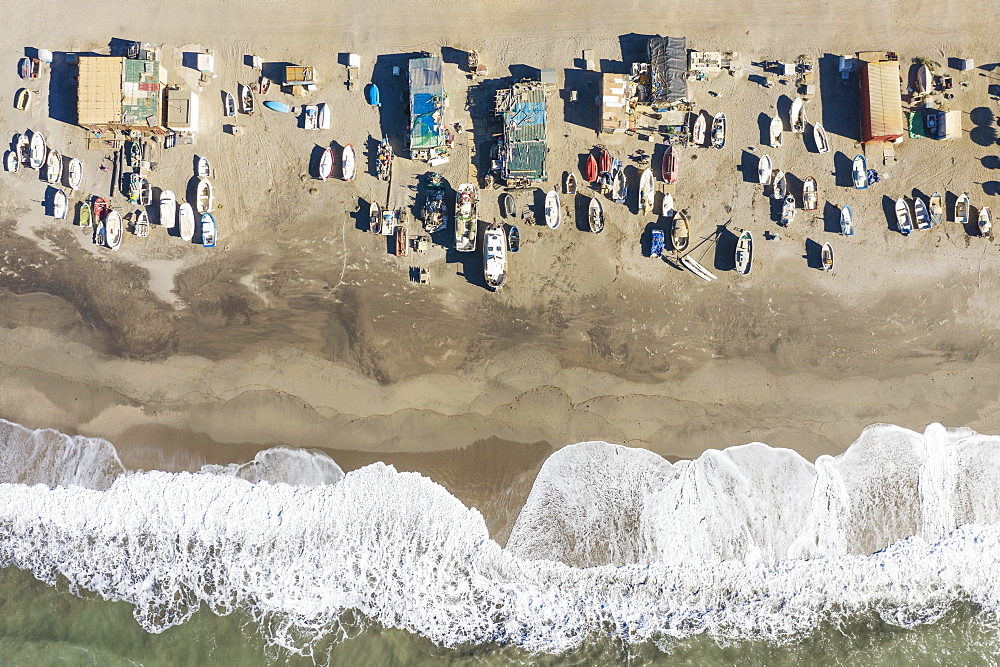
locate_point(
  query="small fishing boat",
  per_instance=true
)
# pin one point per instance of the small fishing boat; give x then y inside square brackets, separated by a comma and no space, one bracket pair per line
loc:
[797,116]
[280,107]
[596,216]
[22,146]
[83,216]
[140,226]
[859,172]
[323,116]
[618,189]
[569,186]
[185,216]
[134,153]
[435,211]
[810,194]
[310,117]
[389,219]
[680,232]
[962,209]
[246,99]
[764,171]
[11,162]
[923,80]
[922,218]
[826,257]
[168,209]
[699,130]
[788,211]
[467,216]
[776,130]
[207,230]
[383,163]
[590,172]
[669,168]
[937,208]
[99,236]
[133,186]
[744,253]
[60,205]
[373,96]
[21,99]
[264,85]
[205,196]
[507,208]
[36,151]
[985,221]
[228,104]
[495,257]
[100,207]
[667,206]
[779,186]
[553,212]
[29,68]
[326,164]
[847,221]
[375,218]
[402,240]
[719,130]
[145,193]
[606,161]
[74,174]
[904,222]
[646,191]
[114,230]
[348,164]
[822,141]
[514,239]
[204,169]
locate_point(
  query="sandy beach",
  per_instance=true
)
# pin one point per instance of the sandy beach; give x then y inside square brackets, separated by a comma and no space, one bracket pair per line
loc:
[300,328]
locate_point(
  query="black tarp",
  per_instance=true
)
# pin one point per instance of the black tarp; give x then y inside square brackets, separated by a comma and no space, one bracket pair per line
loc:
[668,65]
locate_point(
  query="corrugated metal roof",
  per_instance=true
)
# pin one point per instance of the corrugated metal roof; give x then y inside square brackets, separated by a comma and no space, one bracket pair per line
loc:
[882,105]
[427,94]
[99,94]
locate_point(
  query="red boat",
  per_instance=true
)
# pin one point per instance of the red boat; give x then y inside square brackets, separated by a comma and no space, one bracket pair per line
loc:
[590,173]
[605,160]
[670,165]
[100,208]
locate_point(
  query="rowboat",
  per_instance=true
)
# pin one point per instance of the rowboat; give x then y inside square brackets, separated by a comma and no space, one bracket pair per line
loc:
[779,186]
[513,239]
[744,253]
[168,209]
[847,221]
[788,211]
[310,117]
[22,146]
[36,150]
[859,172]
[133,187]
[590,172]
[264,85]
[667,206]
[83,217]
[797,116]
[100,207]
[904,222]
[207,230]
[383,160]
[11,162]
[507,208]
[776,130]
[228,104]
[646,191]
[21,99]
[553,213]
[373,96]
[326,164]
[140,227]
[324,116]
[389,219]
[145,193]
[60,204]
[280,107]
[618,190]
[29,68]
[348,164]
[699,129]
[185,216]
[99,235]
[53,167]
[819,136]
[596,216]
[113,230]
[937,208]
[605,162]
[719,130]
[962,209]
[402,240]
[375,218]
[985,221]
[435,212]
[246,99]
[921,217]
[923,80]
[826,257]
[134,153]
[467,217]
[764,170]
[680,232]
[74,174]
[669,168]
[810,194]
[569,187]
[205,196]
[495,257]
[204,169]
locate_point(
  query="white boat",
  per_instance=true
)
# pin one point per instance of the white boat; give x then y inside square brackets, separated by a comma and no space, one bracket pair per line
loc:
[204,169]
[205,196]
[207,230]
[667,206]
[53,167]
[719,130]
[744,253]
[777,128]
[698,132]
[310,117]
[348,164]
[697,269]
[495,256]
[74,175]
[36,151]
[985,221]
[375,218]
[228,104]
[797,116]
[145,193]
[246,99]
[962,209]
[922,218]
[553,212]
[847,221]
[186,217]
[646,191]
[324,116]
[904,222]
[22,146]
[326,164]
[810,194]
[779,186]
[923,80]
[168,209]
[680,232]
[826,257]
[859,172]
[466,217]
[764,172]
[11,162]
[113,229]
[389,221]
[141,225]
[937,208]
[788,211]
[822,141]
[60,204]
[596,216]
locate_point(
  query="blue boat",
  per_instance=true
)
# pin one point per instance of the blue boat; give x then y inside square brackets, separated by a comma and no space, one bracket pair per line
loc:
[373,95]
[277,106]
[657,243]
[514,239]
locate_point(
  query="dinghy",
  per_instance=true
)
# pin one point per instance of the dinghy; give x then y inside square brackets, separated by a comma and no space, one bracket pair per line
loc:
[22,146]
[847,221]
[744,253]
[99,236]
[779,186]
[204,169]
[141,225]
[797,116]
[764,170]
[11,162]
[553,212]
[922,218]
[904,223]
[514,239]
[777,128]
[646,191]
[100,207]
[810,194]
[280,107]
[145,193]
[74,174]
[113,230]
[29,68]
[185,216]
[133,187]
[207,230]
[60,205]
[669,168]
[205,196]
[495,256]
[937,208]
[719,130]
[667,206]
[680,232]
[467,217]
[21,99]
[83,216]
[826,257]
[53,167]
[962,209]
[373,96]
[590,172]
[246,99]
[606,161]
[859,172]
[389,220]
[374,218]
[324,116]
[618,190]
[596,216]
[348,164]
[310,117]
[569,187]
[507,208]
[819,136]
[788,211]
[985,221]
[326,164]
[264,85]
[36,151]
[434,212]
[228,104]
[383,160]
[699,130]
[134,153]
[923,80]
[168,209]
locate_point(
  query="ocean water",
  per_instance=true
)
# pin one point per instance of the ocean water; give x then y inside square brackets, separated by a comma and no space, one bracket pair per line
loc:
[888,552]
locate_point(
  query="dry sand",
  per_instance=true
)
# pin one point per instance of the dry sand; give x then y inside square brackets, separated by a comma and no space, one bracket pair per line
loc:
[301,329]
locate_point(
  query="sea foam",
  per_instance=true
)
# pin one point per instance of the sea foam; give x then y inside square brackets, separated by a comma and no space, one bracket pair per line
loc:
[750,542]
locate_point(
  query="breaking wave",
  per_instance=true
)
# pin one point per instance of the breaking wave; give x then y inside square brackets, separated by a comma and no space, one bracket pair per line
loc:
[750,542]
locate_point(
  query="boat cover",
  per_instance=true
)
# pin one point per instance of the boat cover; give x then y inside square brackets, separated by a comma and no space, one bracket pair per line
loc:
[427,97]
[668,65]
